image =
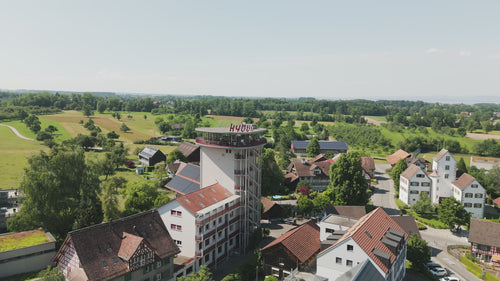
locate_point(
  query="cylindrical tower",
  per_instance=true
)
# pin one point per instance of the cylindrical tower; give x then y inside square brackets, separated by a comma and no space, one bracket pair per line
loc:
[231,156]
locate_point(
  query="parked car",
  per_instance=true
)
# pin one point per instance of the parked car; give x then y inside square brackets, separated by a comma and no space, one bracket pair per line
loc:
[432,265]
[438,271]
[449,279]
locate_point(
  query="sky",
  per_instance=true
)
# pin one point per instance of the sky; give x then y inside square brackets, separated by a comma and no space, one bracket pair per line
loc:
[443,51]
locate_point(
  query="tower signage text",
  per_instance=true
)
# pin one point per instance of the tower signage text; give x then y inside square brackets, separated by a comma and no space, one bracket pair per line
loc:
[241,127]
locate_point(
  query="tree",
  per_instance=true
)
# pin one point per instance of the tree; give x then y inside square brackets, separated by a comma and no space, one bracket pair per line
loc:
[87,110]
[175,154]
[101,106]
[124,128]
[51,129]
[118,155]
[320,202]
[306,205]
[397,170]
[112,135]
[272,176]
[84,141]
[161,200]
[313,148]
[109,197]
[189,130]
[423,205]
[348,181]
[418,252]
[51,274]
[304,190]
[140,197]
[203,274]
[33,123]
[304,127]
[461,165]
[56,187]
[452,213]
[44,135]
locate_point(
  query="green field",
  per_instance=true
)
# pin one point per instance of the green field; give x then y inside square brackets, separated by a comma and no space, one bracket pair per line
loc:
[15,152]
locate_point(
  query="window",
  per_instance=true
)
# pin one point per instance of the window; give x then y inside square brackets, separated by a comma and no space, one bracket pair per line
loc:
[413,183]
[478,195]
[219,249]
[446,176]
[426,184]
[468,195]
[468,205]
[478,205]
[329,230]
[176,213]
[176,227]
[178,242]
[473,185]
[338,260]
[447,167]
[348,263]
[207,257]
[207,226]
[231,242]
[350,248]
[447,158]
[420,175]
[158,264]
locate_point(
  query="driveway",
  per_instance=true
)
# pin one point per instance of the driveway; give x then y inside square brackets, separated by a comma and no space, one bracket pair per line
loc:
[438,241]
[383,193]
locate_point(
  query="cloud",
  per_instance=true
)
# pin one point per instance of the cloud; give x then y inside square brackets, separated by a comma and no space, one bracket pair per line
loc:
[434,51]
[465,53]
[494,57]
[106,74]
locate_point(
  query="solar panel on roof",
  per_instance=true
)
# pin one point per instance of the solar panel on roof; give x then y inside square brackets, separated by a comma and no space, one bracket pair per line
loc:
[183,185]
[191,171]
[395,232]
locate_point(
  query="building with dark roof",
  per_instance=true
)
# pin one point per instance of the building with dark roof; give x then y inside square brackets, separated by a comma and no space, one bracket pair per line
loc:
[190,151]
[407,223]
[346,211]
[376,237]
[335,147]
[484,240]
[296,249]
[186,178]
[137,247]
[149,156]
[270,209]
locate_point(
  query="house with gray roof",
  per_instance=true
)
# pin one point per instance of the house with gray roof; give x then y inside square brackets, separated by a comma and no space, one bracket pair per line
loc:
[149,156]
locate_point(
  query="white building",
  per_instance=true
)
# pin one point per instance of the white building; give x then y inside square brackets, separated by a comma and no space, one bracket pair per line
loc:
[443,184]
[413,181]
[204,224]
[467,190]
[335,224]
[231,156]
[445,170]
[376,238]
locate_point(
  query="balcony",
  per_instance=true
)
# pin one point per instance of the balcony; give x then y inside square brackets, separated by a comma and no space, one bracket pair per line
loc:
[226,143]
[199,254]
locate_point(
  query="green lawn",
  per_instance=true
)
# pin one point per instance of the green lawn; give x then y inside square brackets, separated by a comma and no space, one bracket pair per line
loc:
[15,151]
[476,269]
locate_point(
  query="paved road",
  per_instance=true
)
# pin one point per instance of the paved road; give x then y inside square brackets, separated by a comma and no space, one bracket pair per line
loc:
[16,132]
[438,240]
[383,194]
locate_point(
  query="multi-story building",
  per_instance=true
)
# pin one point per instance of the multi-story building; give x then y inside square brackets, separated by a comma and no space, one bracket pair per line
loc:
[231,157]
[204,224]
[441,183]
[375,239]
[444,168]
[413,181]
[467,190]
[137,247]
[485,241]
[315,172]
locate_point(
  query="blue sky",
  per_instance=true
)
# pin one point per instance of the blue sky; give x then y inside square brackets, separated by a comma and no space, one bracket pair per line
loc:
[447,51]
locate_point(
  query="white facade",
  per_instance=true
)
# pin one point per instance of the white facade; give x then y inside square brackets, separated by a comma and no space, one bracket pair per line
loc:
[329,226]
[446,168]
[409,189]
[209,235]
[339,259]
[472,197]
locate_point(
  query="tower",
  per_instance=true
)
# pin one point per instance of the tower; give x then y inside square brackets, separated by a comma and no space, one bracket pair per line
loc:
[231,156]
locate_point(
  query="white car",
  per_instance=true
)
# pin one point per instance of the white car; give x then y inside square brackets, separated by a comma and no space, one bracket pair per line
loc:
[438,271]
[449,279]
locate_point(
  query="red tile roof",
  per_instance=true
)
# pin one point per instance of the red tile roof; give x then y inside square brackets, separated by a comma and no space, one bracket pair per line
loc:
[396,156]
[410,171]
[130,244]
[302,241]
[497,201]
[204,197]
[267,204]
[304,168]
[484,232]
[440,155]
[368,233]
[463,181]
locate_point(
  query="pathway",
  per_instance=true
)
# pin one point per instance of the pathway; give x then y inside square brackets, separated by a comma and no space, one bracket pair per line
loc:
[383,193]
[17,132]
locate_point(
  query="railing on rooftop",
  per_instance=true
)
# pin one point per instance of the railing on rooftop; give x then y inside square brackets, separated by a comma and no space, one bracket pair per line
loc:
[223,143]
